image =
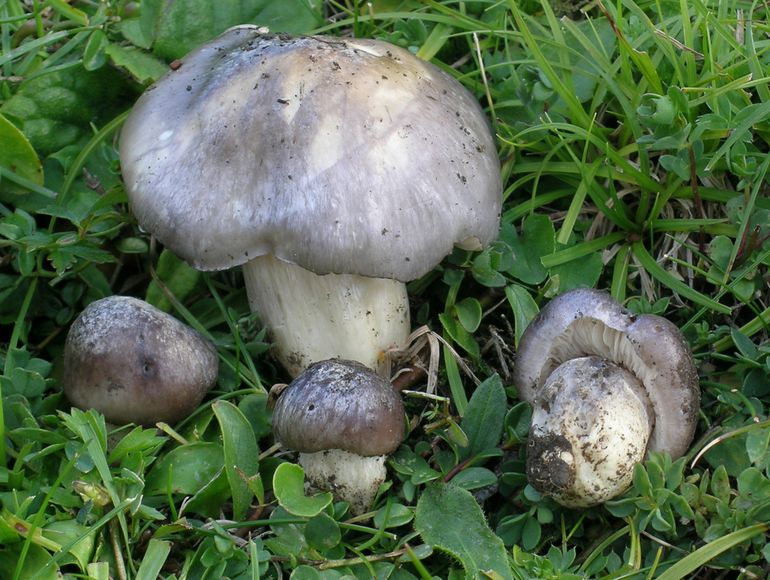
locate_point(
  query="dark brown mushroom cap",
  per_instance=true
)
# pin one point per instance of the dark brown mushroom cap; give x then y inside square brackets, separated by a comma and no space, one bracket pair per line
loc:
[136,364]
[339,404]
[349,156]
[586,322]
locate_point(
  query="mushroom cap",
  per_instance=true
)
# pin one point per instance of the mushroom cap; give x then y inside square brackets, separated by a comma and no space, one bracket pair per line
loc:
[136,364]
[586,322]
[345,156]
[590,425]
[339,404]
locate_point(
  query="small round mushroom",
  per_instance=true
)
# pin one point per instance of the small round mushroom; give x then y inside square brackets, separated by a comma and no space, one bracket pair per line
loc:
[344,419]
[334,170]
[607,387]
[136,364]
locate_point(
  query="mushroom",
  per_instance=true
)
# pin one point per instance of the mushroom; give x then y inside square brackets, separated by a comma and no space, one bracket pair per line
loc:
[136,364]
[334,170]
[343,419]
[607,387]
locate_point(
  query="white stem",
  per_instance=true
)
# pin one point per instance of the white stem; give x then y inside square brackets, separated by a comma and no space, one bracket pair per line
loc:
[313,318]
[352,478]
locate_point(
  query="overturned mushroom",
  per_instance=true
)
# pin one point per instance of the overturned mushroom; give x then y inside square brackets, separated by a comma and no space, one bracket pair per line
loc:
[344,420]
[607,387]
[136,364]
[334,170]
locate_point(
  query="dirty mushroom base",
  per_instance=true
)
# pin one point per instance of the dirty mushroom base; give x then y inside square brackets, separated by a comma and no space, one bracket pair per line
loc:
[591,423]
[314,317]
[350,477]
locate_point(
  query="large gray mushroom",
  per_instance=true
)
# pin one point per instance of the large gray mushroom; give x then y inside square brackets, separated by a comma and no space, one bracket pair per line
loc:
[344,419]
[607,387]
[334,170]
[136,364]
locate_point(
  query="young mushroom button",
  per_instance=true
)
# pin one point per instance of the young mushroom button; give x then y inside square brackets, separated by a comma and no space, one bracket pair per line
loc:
[344,420]
[136,364]
[607,387]
[334,170]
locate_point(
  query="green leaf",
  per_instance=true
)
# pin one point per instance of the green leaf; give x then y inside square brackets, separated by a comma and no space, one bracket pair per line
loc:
[178,27]
[64,532]
[289,490]
[705,554]
[241,454]
[94,55]
[469,313]
[18,156]
[322,532]
[186,469]
[449,519]
[68,12]
[484,417]
[523,306]
[474,478]
[536,240]
[179,279]
[144,67]
[458,334]
[154,558]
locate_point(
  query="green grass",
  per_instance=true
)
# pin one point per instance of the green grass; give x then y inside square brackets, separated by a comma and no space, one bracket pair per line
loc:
[634,138]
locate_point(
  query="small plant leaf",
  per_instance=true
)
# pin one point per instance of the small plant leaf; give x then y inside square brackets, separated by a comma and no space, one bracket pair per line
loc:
[289,489]
[241,454]
[484,417]
[450,520]
[18,156]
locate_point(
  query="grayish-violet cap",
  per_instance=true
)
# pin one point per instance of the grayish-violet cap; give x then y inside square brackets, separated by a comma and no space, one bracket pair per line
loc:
[338,155]
[136,364]
[339,404]
[586,322]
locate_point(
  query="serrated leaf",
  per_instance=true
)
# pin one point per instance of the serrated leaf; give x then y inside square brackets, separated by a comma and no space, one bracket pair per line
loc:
[450,520]
[484,417]
[289,490]
[241,454]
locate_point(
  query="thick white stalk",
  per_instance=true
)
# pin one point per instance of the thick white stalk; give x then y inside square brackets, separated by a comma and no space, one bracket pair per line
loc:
[350,477]
[313,318]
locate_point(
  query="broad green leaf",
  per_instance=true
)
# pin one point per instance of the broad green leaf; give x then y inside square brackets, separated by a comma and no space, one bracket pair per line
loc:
[449,519]
[241,454]
[178,27]
[397,515]
[322,532]
[524,309]
[535,241]
[186,469]
[484,417]
[469,313]
[179,278]
[474,478]
[144,67]
[64,532]
[18,156]
[458,334]
[289,490]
